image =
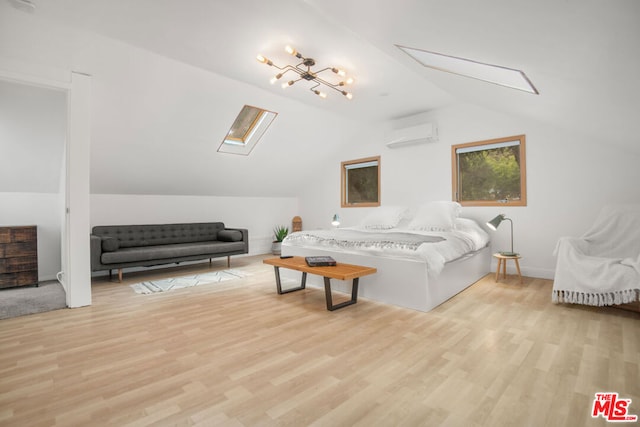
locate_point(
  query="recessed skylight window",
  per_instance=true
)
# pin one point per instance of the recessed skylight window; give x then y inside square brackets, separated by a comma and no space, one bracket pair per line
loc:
[496,74]
[246,130]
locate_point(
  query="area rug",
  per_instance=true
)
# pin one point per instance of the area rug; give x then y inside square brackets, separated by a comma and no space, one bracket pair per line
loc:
[165,285]
[31,299]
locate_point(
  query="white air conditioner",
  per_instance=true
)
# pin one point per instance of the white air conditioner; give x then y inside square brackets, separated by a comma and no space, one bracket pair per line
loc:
[419,134]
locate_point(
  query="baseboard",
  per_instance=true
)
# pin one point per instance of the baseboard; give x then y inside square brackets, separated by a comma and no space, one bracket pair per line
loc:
[527,271]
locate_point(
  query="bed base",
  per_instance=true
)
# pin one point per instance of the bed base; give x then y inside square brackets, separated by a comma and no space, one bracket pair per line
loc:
[402,282]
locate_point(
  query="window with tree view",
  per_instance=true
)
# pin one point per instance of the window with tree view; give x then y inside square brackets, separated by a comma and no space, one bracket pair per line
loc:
[488,173]
[360,182]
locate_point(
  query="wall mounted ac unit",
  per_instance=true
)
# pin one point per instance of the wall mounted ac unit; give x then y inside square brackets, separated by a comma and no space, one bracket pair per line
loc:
[419,134]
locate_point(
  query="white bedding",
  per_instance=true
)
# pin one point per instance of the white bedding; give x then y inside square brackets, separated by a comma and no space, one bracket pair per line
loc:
[435,248]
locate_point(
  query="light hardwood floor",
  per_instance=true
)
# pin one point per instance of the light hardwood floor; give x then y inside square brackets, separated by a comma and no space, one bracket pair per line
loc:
[238,354]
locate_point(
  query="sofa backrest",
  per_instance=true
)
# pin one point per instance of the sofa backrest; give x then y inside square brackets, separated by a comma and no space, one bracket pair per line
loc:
[159,234]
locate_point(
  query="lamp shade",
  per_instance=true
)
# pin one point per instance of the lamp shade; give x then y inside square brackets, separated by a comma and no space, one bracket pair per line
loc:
[495,222]
[335,221]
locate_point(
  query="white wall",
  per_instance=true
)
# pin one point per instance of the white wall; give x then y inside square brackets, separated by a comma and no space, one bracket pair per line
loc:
[569,179]
[33,127]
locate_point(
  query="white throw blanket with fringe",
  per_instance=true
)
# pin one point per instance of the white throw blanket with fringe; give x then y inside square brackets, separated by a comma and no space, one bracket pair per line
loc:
[603,266]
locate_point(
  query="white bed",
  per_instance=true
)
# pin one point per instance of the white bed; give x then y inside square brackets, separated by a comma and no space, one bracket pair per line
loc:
[411,273]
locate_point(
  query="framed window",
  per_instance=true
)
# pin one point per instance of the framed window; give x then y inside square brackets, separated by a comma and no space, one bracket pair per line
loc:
[360,182]
[247,129]
[490,173]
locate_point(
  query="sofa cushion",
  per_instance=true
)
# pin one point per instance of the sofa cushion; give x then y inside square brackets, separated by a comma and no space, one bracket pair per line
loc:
[230,235]
[130,236]
[166,253]
[110,244]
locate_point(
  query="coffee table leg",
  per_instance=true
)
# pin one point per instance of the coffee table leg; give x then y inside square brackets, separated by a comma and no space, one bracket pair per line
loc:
[303,283]
[327,293]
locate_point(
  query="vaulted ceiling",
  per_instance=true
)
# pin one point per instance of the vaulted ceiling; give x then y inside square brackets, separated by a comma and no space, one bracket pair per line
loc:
[582,55]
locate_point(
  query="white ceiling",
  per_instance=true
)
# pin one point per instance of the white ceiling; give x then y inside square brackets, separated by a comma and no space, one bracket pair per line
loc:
[582,56]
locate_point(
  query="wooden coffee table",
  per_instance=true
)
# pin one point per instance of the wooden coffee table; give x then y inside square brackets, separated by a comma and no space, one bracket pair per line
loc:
[340,272]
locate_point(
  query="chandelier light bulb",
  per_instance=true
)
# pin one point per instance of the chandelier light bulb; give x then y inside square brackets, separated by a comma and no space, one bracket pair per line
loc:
[339,72]
[264,60]
[290,50]
[287,84]
[320,94]
[348,95]
[276,78]
[346,82]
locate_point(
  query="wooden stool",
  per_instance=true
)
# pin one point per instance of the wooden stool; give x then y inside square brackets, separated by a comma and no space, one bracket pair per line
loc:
[502,262]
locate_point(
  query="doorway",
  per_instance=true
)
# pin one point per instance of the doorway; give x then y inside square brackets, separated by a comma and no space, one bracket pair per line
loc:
[70,204]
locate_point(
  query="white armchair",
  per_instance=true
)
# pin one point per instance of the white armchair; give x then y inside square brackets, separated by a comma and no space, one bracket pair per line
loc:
[603,266]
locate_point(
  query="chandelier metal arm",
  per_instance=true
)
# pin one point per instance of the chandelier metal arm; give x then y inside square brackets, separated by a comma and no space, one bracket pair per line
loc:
[288,68]
[324,69]
[326,83]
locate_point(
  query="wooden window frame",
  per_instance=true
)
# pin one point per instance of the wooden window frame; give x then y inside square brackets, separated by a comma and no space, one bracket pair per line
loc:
[523,173]
[343,183]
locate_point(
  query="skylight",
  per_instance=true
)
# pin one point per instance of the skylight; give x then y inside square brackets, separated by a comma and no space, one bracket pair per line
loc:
[247,129]
[496,74]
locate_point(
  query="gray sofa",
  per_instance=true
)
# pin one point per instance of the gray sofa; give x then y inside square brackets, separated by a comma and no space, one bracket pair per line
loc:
[122,246]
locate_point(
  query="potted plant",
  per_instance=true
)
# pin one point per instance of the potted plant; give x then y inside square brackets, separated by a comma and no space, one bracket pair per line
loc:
[280,232]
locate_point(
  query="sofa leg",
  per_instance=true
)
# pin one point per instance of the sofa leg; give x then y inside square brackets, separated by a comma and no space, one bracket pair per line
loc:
[120,275]
[228,261]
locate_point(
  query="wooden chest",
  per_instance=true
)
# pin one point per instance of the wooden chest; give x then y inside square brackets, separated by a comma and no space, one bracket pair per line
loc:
[18,256]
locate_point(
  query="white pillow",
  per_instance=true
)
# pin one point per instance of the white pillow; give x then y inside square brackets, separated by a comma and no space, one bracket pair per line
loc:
[436,216]
[465,224]
[473,231]
[384,217]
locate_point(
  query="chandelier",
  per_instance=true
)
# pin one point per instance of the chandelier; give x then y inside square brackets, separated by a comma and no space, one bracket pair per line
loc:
[303,72]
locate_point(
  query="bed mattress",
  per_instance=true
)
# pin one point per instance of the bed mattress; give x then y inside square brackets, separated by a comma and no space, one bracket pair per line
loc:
[435,248]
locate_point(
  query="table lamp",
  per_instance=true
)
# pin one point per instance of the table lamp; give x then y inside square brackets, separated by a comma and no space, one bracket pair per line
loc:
[495,223]
[335,221]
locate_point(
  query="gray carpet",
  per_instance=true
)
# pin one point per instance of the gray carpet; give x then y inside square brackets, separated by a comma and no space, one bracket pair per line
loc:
[25,300]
